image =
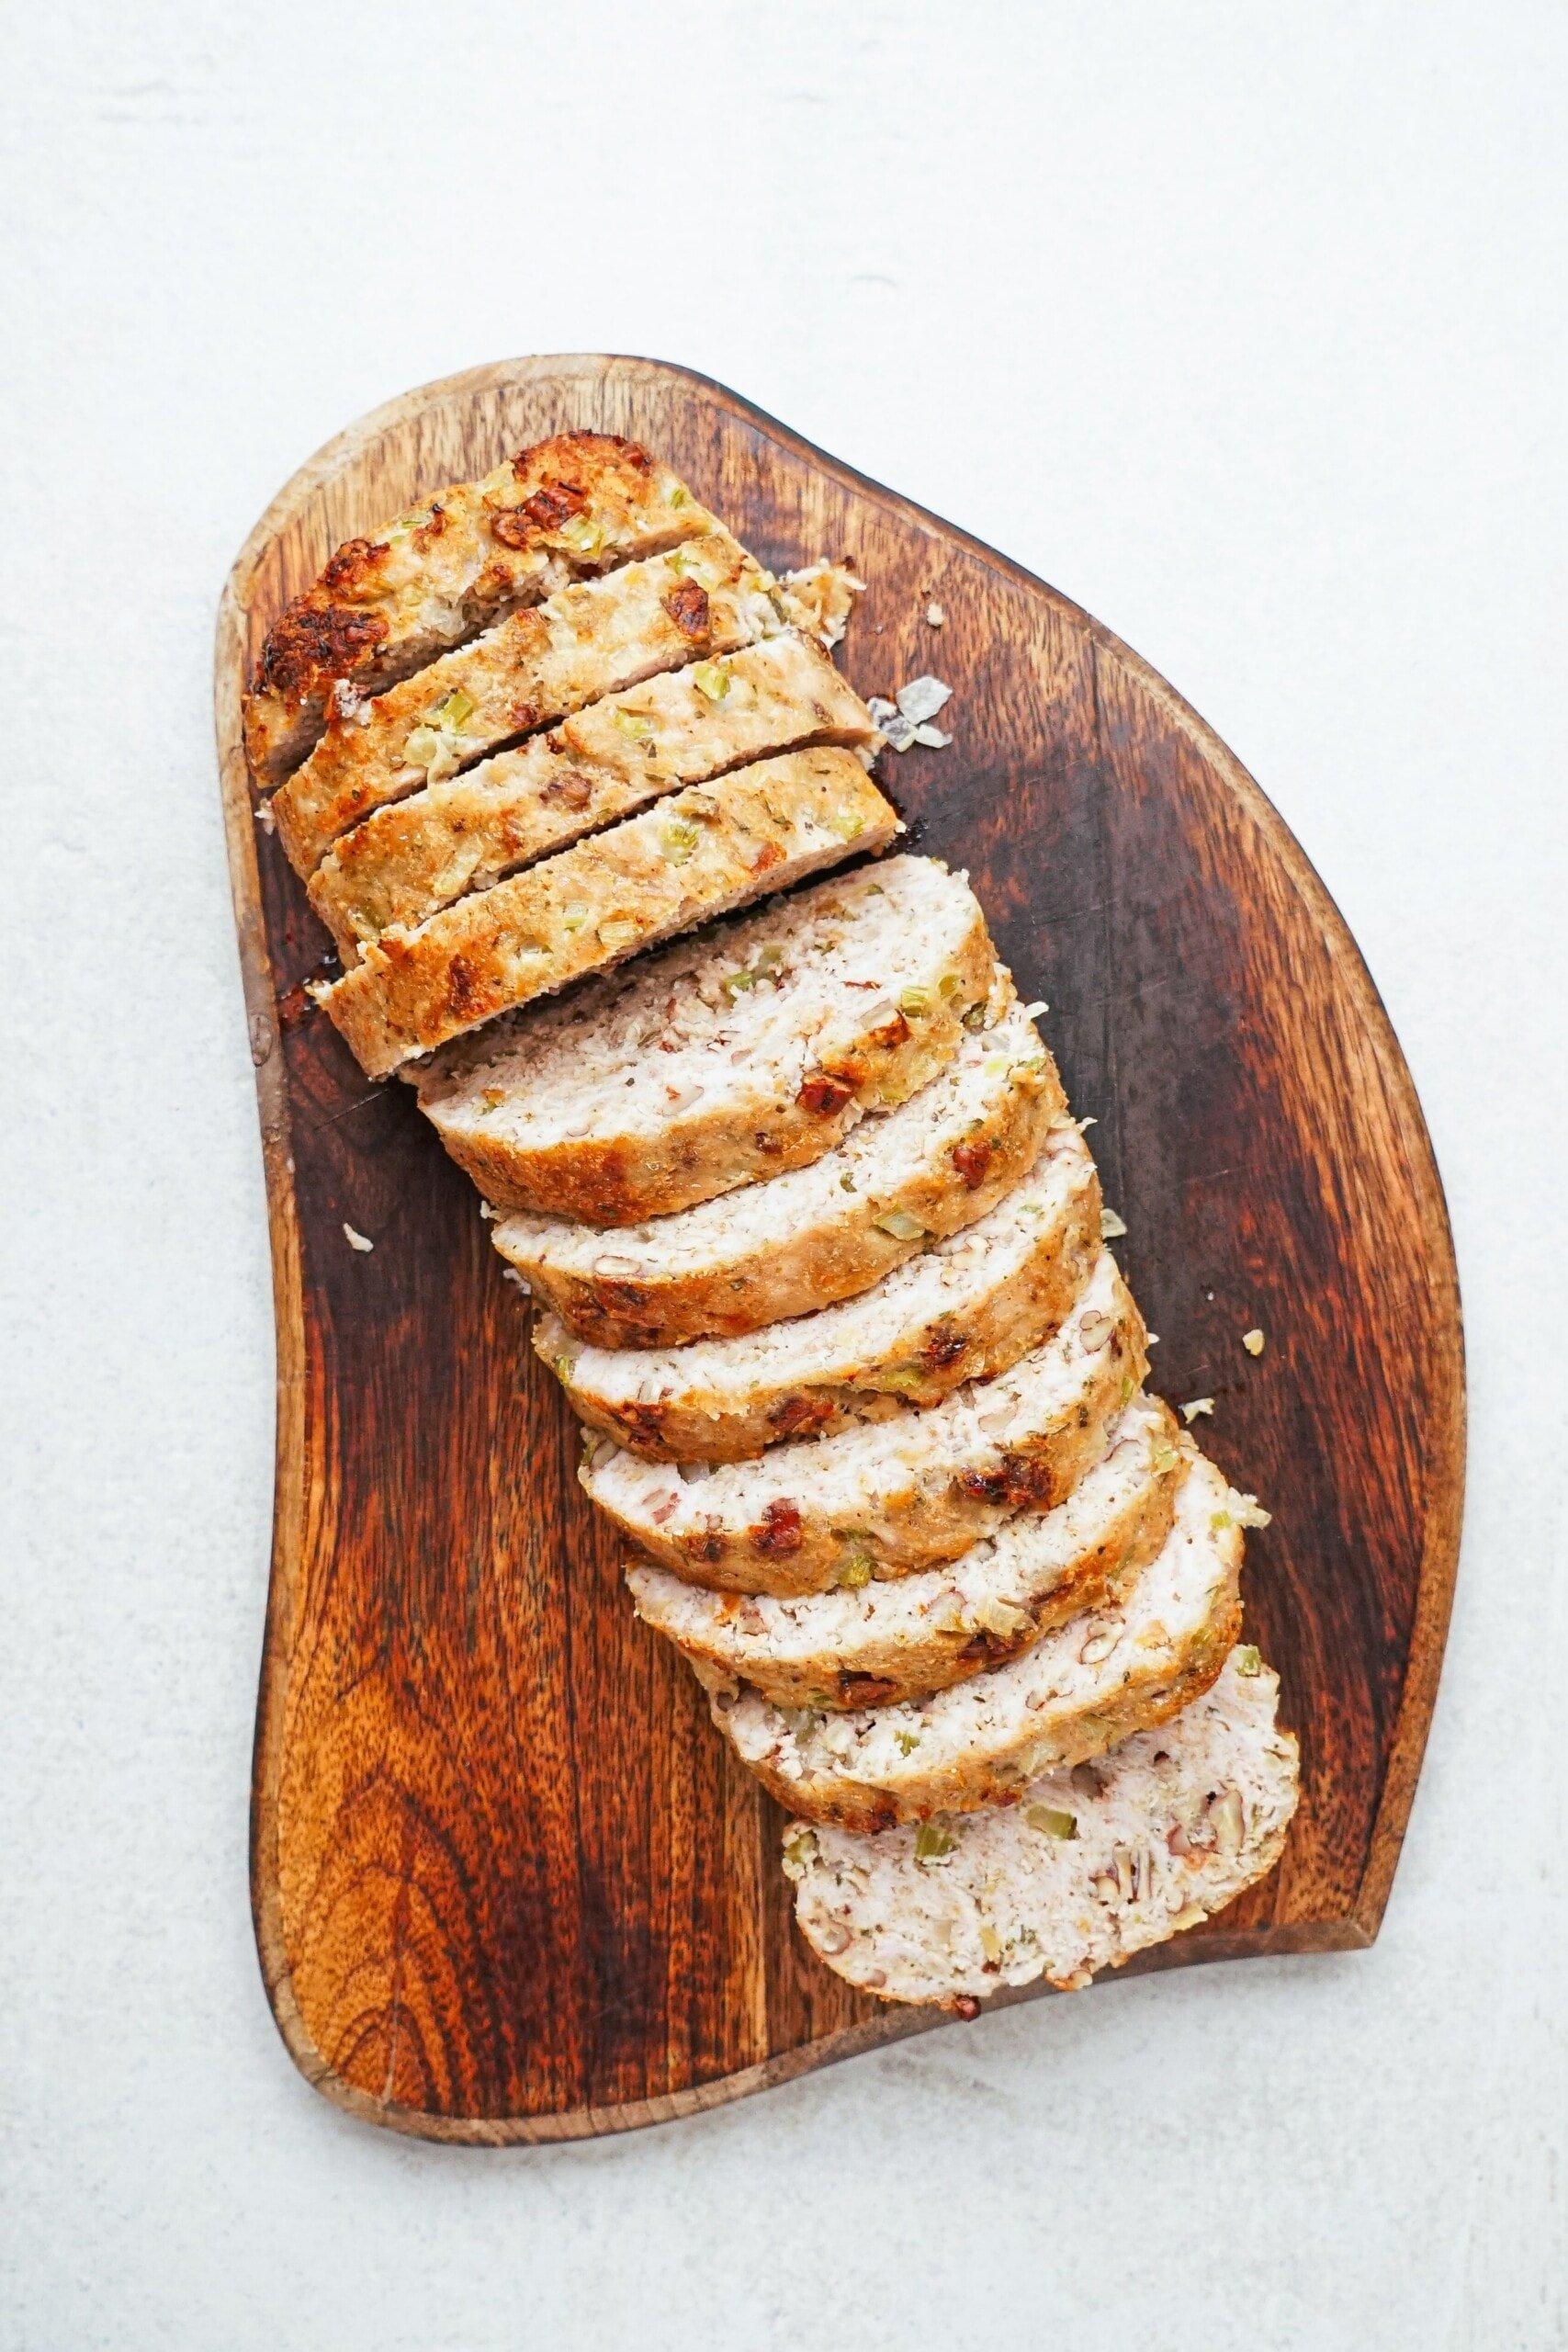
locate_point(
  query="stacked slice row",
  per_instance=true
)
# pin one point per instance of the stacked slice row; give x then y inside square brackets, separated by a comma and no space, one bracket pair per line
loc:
[817,1246]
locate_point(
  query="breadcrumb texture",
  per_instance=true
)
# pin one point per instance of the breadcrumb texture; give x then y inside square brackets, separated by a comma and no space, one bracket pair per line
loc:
[1094,1864]
[412,858]
[538,665]
[711,849]
[386,603]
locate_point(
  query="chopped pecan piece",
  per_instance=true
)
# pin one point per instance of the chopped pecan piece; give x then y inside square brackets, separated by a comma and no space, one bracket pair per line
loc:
[572,790]
[944,1345]
[793,1415]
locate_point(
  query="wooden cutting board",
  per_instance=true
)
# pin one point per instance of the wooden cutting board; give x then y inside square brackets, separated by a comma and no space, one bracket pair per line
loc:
[508,1883]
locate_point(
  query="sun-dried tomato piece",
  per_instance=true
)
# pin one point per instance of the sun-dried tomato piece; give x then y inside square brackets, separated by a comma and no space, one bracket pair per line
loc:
[779,1528]
[972,1159]
[824,1092]
[688,607]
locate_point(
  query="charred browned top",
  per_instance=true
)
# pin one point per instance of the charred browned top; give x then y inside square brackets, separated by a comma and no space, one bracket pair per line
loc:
[333,630]
[311,644]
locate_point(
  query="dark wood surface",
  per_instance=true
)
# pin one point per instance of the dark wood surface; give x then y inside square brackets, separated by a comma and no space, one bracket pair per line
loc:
[508,1884]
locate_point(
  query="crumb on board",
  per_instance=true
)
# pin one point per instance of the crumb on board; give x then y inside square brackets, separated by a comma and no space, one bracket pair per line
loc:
[357,1240]
[1253,1341]
[1199,1404]
[906,719]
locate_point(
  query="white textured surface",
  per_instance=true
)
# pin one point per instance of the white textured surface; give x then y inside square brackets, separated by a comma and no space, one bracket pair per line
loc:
[1244,325]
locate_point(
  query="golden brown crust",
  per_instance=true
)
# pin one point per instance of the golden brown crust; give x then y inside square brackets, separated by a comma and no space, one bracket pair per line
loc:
[533,667]
[943,1654]
[385,604]
[802,1268]
[410,859]
[914,1362]
[621,1179]
[1151,1696]
[795,1546]
[704,853]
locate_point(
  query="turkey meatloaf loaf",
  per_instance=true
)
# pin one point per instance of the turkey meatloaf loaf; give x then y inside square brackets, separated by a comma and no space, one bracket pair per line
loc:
[1094,1864]
[724,1058]
[868,1644]
[413,857]
[709,849]
[893,1495]
[965,1309]
[897,1182]
[1136,1658]
[389,603]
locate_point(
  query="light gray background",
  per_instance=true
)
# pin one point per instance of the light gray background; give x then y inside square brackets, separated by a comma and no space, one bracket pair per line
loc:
[1243,324]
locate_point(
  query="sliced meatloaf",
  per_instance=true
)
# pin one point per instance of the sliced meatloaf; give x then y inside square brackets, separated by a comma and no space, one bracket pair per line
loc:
[414,856]
[1138,1658]
[964,1310]
[388,603]
[1094,1864]
[783,1246]
[705,852]
[533,667]
[751,1050]
[869,1644]
[894,1495]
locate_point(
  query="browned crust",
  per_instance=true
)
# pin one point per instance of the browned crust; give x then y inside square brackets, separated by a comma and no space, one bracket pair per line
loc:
[338,629]
[620,1179]
[918,1365]
[912,1669]
[1144,1702]
[413,857]
[798,1272]
[795,1549]
[606,900]
[536,665]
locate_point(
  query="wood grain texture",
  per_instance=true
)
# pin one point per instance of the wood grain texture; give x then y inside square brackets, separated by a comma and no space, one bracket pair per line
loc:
[508,1884]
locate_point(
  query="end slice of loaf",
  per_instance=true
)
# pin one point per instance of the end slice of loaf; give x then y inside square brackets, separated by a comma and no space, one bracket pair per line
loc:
[705,852]
[869,1644]
[891,1495]
[1093,1865]
[541,662]
[386,604]
[828,1231]
[413,857]
[1136,1659]
[965,1310]
[724,1058]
